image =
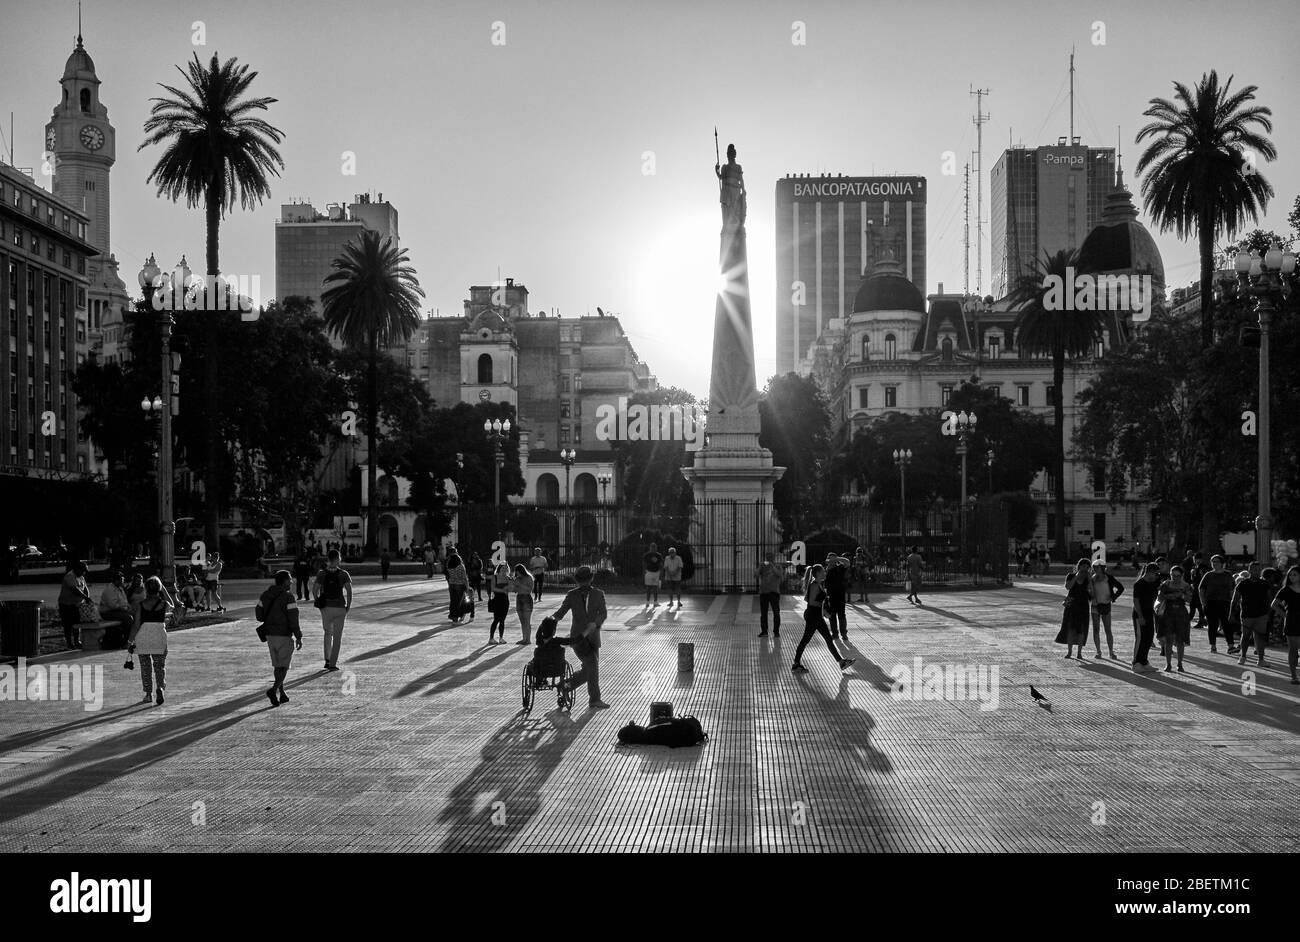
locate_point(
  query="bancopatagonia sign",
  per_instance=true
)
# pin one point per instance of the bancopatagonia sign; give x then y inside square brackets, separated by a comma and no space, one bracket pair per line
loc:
[886,188]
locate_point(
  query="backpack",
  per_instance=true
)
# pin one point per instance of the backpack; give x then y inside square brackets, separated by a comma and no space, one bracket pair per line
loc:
[678,731]
[333,586]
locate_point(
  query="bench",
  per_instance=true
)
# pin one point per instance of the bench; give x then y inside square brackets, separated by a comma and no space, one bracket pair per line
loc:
[92,633]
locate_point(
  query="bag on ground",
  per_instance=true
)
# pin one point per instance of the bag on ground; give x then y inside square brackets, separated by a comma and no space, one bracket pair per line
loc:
[678,731]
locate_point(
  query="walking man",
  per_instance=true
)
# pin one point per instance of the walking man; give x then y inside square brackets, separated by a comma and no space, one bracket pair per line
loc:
[837,578]
[333,594]
[385,563]
[588,607]
[301,578]
[673,566]
[914,568]
[1255,599]
[653,563]
[277,609]
[537,568]
[769,595]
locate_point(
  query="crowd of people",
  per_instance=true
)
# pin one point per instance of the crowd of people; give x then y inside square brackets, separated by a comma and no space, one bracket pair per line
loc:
[1243,608]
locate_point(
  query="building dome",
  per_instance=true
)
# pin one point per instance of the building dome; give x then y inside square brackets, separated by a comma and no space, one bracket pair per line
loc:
[1120,243]
[888,291]
[79,62]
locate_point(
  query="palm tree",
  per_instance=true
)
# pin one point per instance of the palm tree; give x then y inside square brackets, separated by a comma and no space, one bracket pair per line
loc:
[1198,175]
[372,301]
[216,150]
[1045,327]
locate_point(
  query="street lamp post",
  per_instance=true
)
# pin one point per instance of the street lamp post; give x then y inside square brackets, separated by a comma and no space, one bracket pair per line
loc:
[603,480]
[497,432]
[974,306]
[1262,278]
[165,408]
[902,458]
[567,457]
[963,426]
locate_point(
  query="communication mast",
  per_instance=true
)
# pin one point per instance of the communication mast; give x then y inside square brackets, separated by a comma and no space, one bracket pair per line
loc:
[980,118]
[965,280]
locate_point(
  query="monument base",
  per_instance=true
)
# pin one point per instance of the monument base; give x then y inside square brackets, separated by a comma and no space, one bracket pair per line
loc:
[733,522]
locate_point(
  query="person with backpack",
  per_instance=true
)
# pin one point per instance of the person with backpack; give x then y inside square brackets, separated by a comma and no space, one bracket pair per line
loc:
[1254,601]
[814,623]
[653,563]
[277,610]
[769,595]
[332,592]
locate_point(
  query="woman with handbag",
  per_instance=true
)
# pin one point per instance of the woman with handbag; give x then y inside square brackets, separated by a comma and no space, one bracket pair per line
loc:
[73,593]
[1075,617]
[499,604]
[1172,617]
[814,623]
[457,586]
[149,638]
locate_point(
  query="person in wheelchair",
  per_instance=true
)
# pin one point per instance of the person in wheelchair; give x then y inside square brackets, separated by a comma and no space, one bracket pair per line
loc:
[548,657]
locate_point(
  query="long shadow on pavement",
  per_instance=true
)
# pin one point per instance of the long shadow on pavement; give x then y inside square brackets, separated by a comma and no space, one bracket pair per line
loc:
[851,725]
[953,615]
[452,674]
[513,767]
[869,608]
[417,638]
[1278,713]
[89,767]
[19,740]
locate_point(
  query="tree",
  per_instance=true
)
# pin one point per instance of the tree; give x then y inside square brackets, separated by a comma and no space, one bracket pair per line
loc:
[1044,327]
[650,470]
[795,425]
[1200,171]
[216,151]
[1022,442]
[372,301]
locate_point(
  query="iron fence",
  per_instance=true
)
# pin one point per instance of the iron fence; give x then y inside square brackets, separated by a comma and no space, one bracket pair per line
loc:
[722,543]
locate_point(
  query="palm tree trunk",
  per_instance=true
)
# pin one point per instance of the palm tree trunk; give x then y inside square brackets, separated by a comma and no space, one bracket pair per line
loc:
[211,396]
[1058,414]
[1209,513]
[372,476]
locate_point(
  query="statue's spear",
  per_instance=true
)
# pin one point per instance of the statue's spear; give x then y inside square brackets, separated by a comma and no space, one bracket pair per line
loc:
[716,153]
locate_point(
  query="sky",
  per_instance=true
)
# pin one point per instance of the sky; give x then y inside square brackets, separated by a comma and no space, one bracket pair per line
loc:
[577,156]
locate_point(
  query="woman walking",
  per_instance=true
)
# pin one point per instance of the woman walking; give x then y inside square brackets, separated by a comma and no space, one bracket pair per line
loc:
[457,586]
[499,604]
[1172,616]
[1287,602]
[814,623]
[72,593]
[914,565]
[475,569]
[1145,591]
[149,638]
[522,586]
[1075,619]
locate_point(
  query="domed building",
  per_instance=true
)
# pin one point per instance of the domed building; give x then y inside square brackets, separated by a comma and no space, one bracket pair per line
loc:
[899,352]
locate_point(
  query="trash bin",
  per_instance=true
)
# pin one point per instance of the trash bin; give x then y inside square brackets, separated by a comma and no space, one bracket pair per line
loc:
[20,627]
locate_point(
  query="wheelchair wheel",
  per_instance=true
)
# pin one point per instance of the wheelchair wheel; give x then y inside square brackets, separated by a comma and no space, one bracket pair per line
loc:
[527,684]
[564,695]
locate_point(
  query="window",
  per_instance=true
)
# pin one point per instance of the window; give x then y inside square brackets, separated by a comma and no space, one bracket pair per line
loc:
[564,435]
[1098,476]
[66,222]
[1022,395]
[995,347]
[863,398]
[564,382]
[36,244]
[67,259]
[85,100]
[1099,526]
[947,350]
[891,397]
[564,410]
[945,393]
[994,388]
[81,265]
[1051,395]
[577,435]
[866,347]
[18,236]
[891,347]
[1101,348]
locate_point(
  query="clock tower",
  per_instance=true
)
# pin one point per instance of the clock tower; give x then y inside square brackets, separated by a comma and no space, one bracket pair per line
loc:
[83,147]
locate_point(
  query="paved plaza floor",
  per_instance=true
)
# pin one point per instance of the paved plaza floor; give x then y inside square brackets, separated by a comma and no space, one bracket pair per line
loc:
[419,743]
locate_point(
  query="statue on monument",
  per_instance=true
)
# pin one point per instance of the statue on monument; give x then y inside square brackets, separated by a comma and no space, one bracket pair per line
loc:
[731,180]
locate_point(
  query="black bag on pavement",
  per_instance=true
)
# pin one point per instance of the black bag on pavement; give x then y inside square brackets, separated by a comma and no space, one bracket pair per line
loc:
[678,731]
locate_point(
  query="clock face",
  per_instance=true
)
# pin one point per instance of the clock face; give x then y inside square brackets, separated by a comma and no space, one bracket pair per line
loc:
[92,138]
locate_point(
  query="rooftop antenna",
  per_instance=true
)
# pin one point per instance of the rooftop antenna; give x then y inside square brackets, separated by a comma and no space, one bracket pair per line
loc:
[1071,94]
[965,281]
[980,117]
[78,23]
[1119,155]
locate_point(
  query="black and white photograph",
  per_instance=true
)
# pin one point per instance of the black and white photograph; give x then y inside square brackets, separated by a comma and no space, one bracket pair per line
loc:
[650,430]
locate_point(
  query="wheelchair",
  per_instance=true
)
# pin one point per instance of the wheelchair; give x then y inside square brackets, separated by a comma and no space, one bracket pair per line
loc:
[548,670]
